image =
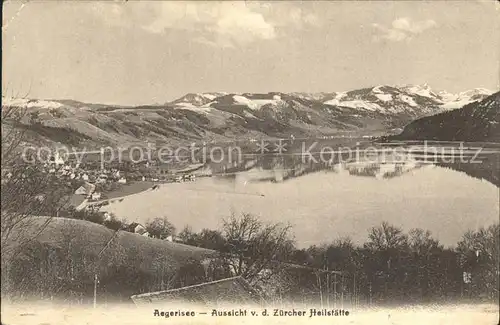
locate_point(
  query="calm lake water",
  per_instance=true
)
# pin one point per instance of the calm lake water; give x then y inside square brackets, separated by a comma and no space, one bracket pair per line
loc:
[325,201]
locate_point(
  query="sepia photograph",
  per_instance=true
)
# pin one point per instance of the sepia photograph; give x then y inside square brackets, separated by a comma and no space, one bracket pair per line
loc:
[250,162]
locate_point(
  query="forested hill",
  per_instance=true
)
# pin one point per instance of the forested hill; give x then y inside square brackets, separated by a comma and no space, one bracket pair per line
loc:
[477,121]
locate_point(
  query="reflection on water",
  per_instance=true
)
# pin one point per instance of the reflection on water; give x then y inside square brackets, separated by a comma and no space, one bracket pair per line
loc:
[278,168]
[326,200]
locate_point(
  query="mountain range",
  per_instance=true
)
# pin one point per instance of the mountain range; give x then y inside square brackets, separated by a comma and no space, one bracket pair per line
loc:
[227,116]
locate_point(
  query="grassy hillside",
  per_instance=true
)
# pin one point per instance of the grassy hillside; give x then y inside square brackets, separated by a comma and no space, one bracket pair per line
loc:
[63,259]
[98,235]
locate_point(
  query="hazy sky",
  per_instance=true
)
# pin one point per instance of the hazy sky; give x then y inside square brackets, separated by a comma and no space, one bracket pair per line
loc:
[151,52]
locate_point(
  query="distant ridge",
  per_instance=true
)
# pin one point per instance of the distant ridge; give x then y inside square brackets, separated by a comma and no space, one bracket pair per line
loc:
[218,116]
[477,121]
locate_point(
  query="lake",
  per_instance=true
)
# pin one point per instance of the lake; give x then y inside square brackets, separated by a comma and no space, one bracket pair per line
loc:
[325,200]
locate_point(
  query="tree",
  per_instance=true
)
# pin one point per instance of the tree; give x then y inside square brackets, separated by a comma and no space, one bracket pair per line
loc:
[421,242]
[479,253]
[113,223]
[188,236]
[386,261]
[160,228]
[27,190]
[12,133]
[254,249]
[210,239]
[385,237]
[301,257]
[425,272]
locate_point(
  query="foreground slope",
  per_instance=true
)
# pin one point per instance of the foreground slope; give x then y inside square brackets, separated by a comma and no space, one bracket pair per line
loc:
[64,257]
[98,236]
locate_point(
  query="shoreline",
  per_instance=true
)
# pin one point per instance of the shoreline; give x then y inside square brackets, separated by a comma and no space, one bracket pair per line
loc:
[154,186]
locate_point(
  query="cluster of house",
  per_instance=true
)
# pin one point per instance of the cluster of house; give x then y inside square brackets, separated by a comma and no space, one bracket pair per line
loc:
[137,228]
[90,176]
[93,175]
[73,170]
[88,189]
[163,173]
[185,178]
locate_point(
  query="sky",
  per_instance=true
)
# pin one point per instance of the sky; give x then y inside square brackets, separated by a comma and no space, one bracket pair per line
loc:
[143,52]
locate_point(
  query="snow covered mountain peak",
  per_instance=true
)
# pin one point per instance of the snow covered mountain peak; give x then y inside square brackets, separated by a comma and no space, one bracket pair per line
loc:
[475,92]
[421,90]
[412,99]
[197,99]
[453,101]
[30,103]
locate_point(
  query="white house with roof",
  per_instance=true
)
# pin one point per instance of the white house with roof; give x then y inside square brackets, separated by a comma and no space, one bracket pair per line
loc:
[138,229]
[95,196]
[86,189]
